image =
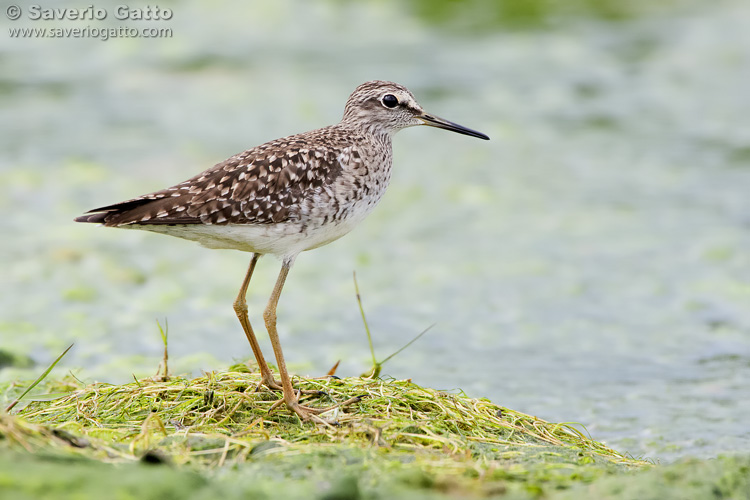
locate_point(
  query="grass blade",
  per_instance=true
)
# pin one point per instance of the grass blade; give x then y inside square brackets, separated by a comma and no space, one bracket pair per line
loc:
[364,319]
[409,343]
[377,366]
[164,332]
[39,379]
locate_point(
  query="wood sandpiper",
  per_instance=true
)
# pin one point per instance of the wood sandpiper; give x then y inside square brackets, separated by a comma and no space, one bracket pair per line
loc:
[284,197]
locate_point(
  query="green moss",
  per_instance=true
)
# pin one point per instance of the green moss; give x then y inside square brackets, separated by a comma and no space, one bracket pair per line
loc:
[724,477]
[493,14]
[16,360]
[79,294]
[397,437]
[213,437]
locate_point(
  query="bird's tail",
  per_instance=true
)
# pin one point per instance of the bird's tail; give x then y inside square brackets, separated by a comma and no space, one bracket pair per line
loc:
[97,218]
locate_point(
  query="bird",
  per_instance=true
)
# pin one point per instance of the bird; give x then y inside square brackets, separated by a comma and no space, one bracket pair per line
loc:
[284,197]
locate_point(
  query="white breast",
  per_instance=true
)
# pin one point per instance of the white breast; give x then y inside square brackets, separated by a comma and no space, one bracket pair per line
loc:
[281,240]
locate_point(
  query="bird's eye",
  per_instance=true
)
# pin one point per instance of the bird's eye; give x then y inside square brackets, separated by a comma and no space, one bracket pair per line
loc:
[390,101]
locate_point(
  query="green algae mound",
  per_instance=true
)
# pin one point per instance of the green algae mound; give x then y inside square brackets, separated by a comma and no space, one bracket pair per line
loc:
[223,434]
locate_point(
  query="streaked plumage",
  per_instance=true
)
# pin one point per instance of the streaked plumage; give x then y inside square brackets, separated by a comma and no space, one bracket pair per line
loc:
[285,196]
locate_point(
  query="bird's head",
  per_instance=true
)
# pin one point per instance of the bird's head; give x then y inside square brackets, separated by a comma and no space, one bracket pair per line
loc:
[386,107]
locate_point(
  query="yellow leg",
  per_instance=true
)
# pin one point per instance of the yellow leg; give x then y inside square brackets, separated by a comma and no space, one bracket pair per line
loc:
[240,308]
[269,315]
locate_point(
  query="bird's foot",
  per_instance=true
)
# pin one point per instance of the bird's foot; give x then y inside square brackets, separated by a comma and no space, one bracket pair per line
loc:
[272,384]
[308,412]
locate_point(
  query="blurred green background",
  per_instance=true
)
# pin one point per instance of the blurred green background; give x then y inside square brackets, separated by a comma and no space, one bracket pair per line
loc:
[590,263]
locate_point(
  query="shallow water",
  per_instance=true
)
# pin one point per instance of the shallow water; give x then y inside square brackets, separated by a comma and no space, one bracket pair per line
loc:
[588,264]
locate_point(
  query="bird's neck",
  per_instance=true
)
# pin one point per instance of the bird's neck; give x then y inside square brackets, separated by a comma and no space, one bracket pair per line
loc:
[372,130]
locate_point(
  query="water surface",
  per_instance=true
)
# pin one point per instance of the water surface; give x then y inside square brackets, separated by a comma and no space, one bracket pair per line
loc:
[588,264]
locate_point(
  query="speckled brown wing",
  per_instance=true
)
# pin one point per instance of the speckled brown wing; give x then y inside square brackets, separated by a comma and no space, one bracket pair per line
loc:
[259,186]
